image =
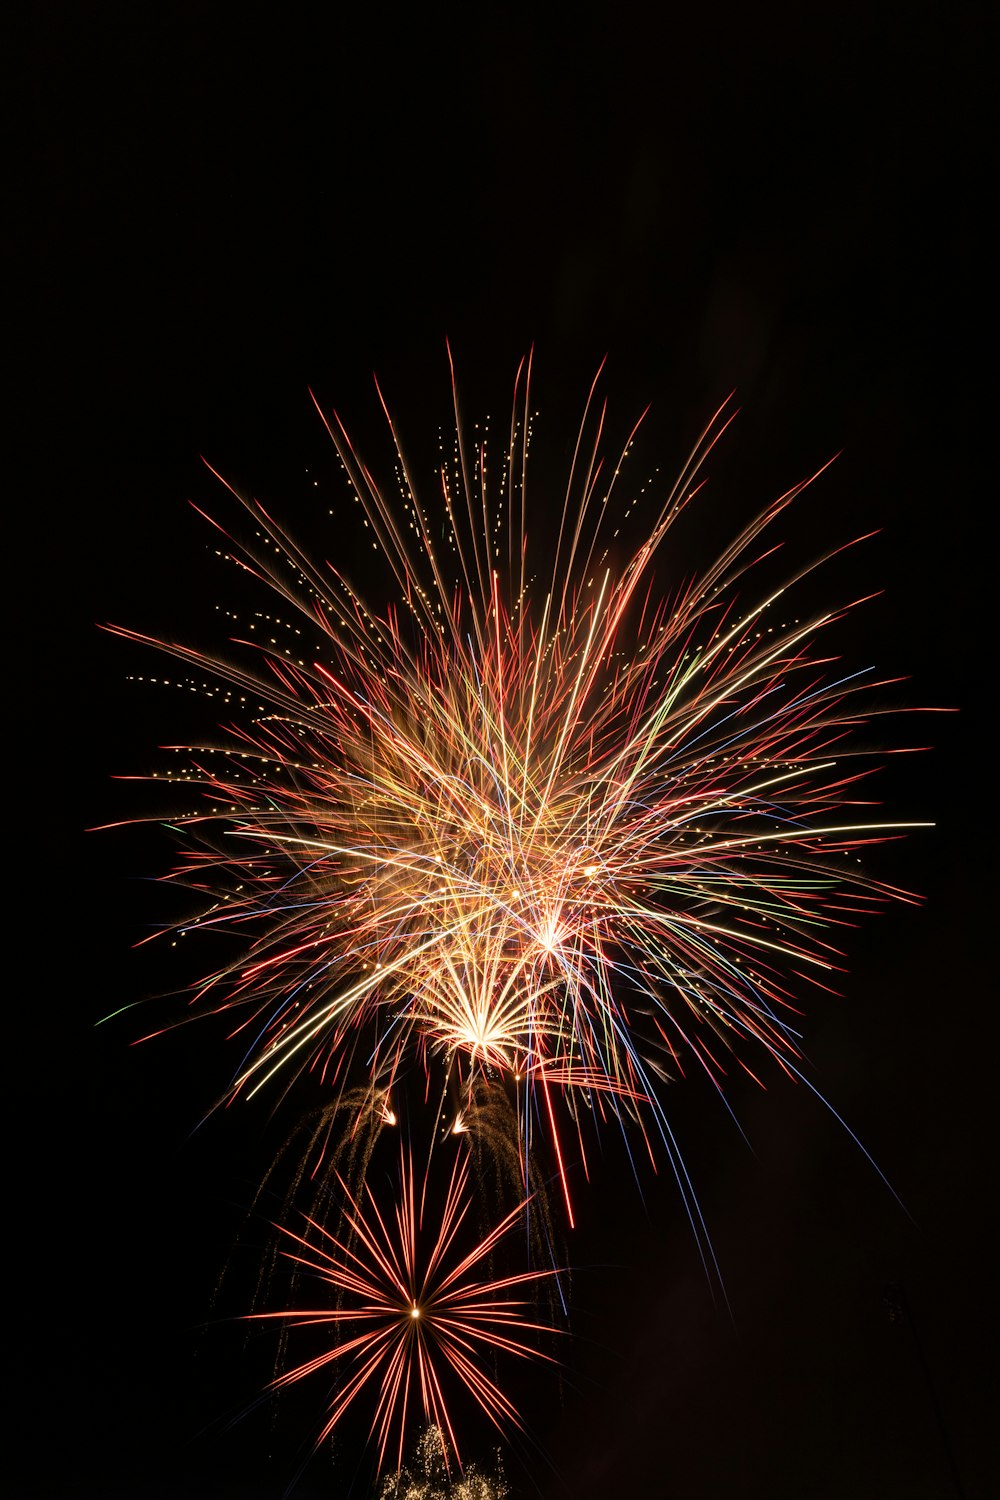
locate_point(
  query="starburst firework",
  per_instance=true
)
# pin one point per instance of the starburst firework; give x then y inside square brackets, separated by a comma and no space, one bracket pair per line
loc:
[407,1307]
[538,825]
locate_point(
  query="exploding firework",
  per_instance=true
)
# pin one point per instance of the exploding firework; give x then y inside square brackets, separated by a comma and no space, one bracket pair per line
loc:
[405,1309]
[331,1150]
[530,824]
[429,1476]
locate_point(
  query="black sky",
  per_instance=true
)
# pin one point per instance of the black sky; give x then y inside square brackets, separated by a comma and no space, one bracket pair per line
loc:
[212,215]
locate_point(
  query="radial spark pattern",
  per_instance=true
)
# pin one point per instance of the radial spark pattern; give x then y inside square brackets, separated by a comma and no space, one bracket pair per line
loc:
[404,1309]
[531,820]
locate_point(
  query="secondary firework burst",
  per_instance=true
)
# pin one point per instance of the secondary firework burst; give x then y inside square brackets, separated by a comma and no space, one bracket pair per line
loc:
[527,821]
[428,1475]
[405,1308]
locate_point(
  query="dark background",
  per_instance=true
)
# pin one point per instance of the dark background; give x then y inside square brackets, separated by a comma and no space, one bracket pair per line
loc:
[211,214]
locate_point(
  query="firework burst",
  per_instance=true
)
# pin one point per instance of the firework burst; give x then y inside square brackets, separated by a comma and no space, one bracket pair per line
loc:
[429,1476]
[535,824]
[408,1309]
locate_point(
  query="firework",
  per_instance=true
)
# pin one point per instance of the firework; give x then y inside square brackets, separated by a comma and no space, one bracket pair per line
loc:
[408,1310]
[534,824]
[429,1476]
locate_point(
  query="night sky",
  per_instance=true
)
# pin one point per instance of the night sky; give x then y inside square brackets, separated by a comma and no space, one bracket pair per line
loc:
[214,215]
